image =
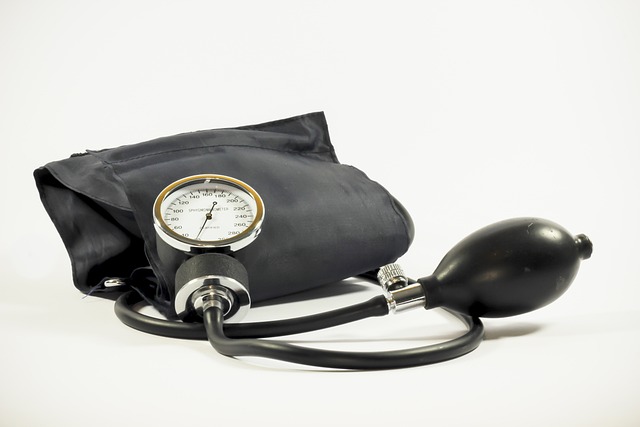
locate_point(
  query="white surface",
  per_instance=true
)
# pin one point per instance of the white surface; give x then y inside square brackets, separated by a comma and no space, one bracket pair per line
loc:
[468,112]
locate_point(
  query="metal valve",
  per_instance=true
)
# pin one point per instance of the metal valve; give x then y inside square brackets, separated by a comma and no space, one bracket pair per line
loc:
[392,277]
[401,295]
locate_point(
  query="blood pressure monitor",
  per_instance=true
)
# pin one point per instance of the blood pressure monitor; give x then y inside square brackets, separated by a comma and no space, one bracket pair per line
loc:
[191,244]
[203,219]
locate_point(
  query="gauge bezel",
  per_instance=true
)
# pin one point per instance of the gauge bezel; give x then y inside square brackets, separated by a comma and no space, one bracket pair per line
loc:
[189,245]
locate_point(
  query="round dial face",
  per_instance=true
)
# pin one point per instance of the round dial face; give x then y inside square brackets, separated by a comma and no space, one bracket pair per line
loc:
[208,211]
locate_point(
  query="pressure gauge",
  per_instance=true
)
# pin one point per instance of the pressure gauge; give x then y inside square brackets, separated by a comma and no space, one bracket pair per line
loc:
[204,212]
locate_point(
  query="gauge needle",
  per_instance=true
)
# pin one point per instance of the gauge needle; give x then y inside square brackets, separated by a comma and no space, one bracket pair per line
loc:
[207,218]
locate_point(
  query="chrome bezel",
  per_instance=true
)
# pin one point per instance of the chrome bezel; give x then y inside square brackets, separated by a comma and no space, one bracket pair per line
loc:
[189,245]
[189,298]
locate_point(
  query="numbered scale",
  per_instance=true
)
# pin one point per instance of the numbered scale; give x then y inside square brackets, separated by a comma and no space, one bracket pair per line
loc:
[203,212]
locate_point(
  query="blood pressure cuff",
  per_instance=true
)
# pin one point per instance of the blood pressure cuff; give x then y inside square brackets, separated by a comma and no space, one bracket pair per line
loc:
[324,221]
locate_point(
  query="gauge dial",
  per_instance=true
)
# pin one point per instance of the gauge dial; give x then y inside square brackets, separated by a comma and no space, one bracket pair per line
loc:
[208,211]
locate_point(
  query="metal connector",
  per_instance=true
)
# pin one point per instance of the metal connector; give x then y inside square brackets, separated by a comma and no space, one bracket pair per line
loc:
[411,296]
[400,294]
[392,277]
[190,299]
[213,296]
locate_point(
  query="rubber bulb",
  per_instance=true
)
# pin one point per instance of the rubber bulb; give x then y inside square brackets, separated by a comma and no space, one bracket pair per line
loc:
[507,268]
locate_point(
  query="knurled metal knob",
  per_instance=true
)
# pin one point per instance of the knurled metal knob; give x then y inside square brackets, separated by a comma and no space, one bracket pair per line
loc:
[391,277]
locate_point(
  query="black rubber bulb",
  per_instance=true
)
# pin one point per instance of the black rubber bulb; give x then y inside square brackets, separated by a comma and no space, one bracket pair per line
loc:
[508,268]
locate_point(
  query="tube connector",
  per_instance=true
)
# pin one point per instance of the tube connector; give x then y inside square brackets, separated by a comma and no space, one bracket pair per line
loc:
[400,294]
[207,275]
[411,296]
[213,295]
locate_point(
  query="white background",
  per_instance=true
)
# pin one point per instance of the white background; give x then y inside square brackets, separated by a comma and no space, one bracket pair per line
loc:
[469,112]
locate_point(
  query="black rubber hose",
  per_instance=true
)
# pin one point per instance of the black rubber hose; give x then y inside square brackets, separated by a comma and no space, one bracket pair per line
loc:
[214,324]
[151,325]
[376,306]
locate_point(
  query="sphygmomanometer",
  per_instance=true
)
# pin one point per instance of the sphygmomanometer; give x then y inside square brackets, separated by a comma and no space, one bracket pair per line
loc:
[203,224]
